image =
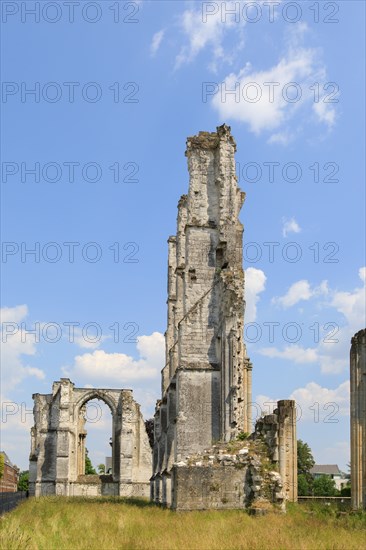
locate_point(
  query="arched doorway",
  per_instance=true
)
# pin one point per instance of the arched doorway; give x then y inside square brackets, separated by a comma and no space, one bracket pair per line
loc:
[95,429]
[97,435]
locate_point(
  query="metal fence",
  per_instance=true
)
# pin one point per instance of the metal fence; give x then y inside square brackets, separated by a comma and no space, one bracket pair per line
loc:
[8,501]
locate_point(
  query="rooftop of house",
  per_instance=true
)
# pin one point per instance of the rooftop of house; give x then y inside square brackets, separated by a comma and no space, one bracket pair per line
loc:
[7,460]
[326,469]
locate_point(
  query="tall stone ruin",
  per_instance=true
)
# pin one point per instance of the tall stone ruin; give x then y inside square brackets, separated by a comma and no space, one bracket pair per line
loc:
[203,456]
[57,458]
[358,419]
[207,378]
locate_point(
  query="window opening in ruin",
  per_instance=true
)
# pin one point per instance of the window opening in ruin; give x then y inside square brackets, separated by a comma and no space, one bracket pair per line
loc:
[221,262]
[192,275]
[95,438]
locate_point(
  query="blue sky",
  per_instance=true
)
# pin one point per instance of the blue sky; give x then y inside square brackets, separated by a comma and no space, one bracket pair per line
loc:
[139,89]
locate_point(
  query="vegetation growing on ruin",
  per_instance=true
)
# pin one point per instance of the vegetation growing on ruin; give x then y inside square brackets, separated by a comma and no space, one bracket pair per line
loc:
[60,523]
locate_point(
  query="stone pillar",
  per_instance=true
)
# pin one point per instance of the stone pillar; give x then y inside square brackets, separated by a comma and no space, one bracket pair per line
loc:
[163,435]
[170,436]
[33,462]
[167,489]
[172,265]
[358,419]
[248,397]
[287,445]
[126,442]
[63,409]
[181,228]
[165,377]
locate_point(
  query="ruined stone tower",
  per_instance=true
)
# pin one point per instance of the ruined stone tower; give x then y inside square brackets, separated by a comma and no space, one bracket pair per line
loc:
[358,419]
[206,382]
[204,455]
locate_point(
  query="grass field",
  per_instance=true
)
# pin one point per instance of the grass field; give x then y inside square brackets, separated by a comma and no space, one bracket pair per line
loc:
[74,524]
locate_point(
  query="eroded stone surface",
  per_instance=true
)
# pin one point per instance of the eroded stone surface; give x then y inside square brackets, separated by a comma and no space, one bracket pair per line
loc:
[199,460]
[57,459]
[206,381]
[358,419]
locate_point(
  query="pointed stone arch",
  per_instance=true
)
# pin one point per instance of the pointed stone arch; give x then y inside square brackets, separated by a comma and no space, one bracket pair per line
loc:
[82,432]
[102,395]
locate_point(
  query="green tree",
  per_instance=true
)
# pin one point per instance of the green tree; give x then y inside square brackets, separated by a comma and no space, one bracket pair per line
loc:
[305,461]
[324,486]
[346,491]
[2,463]
[23,483]
[101,468]
[303,487]
[89,469]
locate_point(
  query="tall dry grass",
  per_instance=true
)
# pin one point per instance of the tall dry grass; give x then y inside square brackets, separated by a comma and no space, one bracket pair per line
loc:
[75,524]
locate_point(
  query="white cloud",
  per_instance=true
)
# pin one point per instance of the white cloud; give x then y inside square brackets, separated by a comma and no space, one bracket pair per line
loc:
[148,398]
[362,274]
[156,42]
[281,138]
[266,100]
[33,371]
[290,226]
[326,355]
[311,400]
[16,343]
[319,412]
[263,405]
[255,103]
[331,401]
[301,290]
[332,360]
[207,26]
[352,304]
[85,341]
[332,351]
[297,292]
[152,348]
[16,422]
[13,314]
[293,352]
[325,113]
[255,283]
[119,368]
[202,31]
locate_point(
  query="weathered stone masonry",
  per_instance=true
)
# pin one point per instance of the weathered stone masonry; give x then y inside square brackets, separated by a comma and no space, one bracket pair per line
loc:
[206,381]
[358,419]
[278,431]
[203,456]
[57,459]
